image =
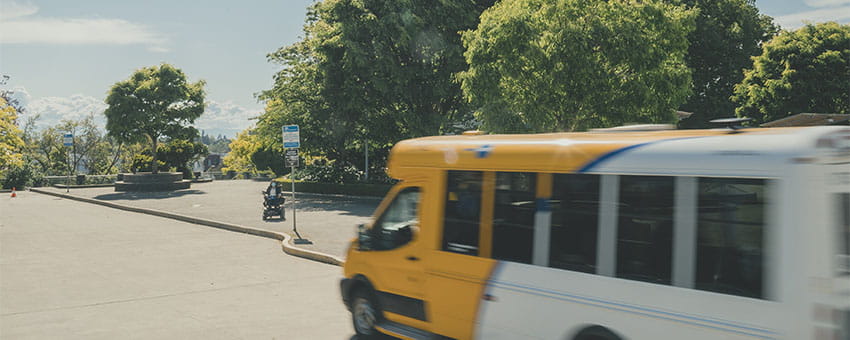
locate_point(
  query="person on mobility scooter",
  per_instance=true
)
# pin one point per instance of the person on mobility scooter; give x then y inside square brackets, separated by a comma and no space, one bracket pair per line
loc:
[273,201]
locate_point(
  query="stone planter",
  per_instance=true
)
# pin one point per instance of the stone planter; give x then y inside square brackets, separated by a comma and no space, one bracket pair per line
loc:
[146,181]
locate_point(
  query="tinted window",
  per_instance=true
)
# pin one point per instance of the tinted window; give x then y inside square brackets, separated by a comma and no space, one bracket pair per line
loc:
[462,212]
[513,220]
[645,228]
[730,236]
[395,227]
[575,219]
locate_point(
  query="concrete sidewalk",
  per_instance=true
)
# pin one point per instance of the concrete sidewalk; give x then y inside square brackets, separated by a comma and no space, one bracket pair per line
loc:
[327,221]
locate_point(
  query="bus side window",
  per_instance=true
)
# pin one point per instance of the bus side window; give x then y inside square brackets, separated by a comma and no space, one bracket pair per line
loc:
[575,222]
[645,229]
[730,236]
[513,222]
[462,212]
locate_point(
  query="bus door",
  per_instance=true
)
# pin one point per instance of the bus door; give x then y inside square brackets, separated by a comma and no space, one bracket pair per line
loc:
[394,257]
[458,269]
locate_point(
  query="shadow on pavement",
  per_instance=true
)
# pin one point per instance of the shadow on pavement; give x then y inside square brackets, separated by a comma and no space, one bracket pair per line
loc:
[346,207]
[147,195]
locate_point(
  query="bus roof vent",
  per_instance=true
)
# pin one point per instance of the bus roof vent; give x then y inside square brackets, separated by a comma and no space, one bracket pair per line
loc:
[473,133]
[734,124]
[637,127]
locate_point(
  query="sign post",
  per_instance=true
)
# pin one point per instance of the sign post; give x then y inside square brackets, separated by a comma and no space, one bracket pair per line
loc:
[68,140]
[291,142]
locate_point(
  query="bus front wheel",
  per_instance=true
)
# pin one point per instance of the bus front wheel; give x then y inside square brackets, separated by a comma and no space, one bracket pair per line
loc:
[596,333]
[365,313]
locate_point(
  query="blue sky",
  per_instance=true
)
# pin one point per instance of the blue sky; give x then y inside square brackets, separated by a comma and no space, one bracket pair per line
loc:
[63,56]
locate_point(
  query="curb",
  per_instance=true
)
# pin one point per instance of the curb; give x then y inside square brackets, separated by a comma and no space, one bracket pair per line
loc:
[285,239]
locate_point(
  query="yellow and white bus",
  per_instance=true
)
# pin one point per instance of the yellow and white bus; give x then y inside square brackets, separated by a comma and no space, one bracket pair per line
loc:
[609,235]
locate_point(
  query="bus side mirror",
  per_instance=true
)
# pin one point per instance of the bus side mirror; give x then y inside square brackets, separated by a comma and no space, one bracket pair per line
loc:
[364,240]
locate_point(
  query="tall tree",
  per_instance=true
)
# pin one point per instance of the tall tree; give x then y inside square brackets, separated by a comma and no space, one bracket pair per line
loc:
[11,143]
[155,102]
[728,34]
[241,149]
[373,70]
[806,70]
[92,149]
[537,65]
[87,138]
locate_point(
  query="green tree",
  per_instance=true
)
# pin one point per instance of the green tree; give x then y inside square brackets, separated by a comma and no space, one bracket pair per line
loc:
[87,137]
[155,102]
[216,144]
[105,157]
[175,154]
[220,145]
[270,157]
[179,154]
[92,149]
[373,71]
[537,65]
[47,150]
[242,148]
[11,141]
[728,34]
[806,70]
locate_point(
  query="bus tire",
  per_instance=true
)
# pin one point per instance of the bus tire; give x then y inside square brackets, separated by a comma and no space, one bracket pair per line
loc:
[365,313]
[596,333]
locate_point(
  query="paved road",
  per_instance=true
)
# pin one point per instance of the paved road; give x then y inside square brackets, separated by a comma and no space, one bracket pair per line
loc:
[73,270]
[330,222]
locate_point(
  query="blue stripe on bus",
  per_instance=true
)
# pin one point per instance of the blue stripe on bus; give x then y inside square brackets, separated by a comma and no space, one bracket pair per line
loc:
[589,166]
[640,310]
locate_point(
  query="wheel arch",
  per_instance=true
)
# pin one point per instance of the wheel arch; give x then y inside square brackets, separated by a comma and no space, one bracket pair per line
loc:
[594,332]
[358,281]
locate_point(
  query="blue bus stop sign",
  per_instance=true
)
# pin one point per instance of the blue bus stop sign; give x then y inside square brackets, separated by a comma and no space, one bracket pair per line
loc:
[291,136]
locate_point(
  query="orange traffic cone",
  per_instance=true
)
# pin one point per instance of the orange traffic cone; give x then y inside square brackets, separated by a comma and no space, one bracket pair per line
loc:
[13,192]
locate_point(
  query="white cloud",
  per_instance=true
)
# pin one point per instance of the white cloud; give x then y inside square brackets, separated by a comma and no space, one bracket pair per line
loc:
[12,9]
[825,3]
[20,95]
[791,21]
[52,110]
[225,118]
[22,27]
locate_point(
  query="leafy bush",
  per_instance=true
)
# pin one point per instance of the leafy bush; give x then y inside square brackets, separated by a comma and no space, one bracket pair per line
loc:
[176,154]
[142,162]
[323,171]
[22,176]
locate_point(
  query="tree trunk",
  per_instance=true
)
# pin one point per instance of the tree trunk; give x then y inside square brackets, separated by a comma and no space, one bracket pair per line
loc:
[115,159]
[154,164]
